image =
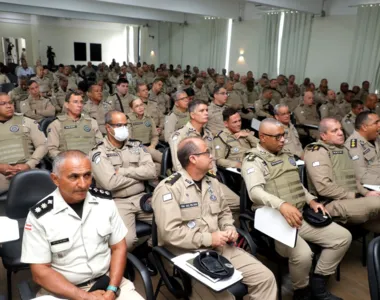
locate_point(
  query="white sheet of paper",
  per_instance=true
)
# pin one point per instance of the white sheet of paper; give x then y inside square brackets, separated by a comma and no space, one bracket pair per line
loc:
[255,124]
[46,298]
[372,187]
[8,230]
[233,170]
[270,221]
[180,261]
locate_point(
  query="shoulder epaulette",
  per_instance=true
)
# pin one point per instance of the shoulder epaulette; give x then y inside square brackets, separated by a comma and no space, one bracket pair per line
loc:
[250,156]
[173,178]
[353,143]
[313,147]
[42,207]
[100,193]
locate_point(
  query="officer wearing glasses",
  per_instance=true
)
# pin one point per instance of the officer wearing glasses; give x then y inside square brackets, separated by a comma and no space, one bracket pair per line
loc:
[215,110]
[22,144]
[179,116]
[272,179]
[121,165]
[191,213]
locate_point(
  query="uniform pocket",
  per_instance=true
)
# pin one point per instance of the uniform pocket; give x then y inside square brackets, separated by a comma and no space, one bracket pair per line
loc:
[104,231]
[190,213]
[215,208]
[60,249]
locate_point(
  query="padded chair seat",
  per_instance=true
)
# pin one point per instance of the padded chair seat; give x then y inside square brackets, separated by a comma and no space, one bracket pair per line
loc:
[3,197]
[239,290]
[143,229]
[14,263]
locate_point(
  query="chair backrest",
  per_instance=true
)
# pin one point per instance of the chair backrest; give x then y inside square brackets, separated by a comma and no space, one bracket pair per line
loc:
[303,175]
[25,190]
[244,197]
[44,123]
[6,87]
[167,162]
[154,232]
[373,267]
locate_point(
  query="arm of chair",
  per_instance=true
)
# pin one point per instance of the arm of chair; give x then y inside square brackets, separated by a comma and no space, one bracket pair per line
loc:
[248,239]
[164,252]
[144,273]
[25,291]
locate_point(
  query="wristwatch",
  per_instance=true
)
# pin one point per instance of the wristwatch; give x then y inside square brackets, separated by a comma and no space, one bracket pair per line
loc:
[114,289]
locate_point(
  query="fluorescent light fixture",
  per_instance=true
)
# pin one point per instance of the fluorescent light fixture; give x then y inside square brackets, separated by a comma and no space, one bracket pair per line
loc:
[282,18]
[228,49]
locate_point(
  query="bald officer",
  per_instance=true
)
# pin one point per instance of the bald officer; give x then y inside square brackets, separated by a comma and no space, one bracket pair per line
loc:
[96,108]
[331,172]
[19,93]
[36,106]
[179,115]
[142,128]
[306,113]
[331,108]
[272,179]
[364,147]
[232,143]
[292,140]
[122,97]
[192,213]
[198,111]
[74,237]
[215,110]
[121,166]
[348,121]
[73,131]
[22,144]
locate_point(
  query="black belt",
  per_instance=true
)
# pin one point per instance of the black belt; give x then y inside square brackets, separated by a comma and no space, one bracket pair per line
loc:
[88,282]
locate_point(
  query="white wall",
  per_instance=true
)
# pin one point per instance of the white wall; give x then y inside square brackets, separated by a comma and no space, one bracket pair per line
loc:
[61,35]
[246,37]
[330,49]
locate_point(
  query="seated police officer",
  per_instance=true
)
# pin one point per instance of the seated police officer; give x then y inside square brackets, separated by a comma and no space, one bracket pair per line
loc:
[198,111]
[364,147]
[192,213]
[231,143]
[143,128]
[121,166]
[74,237]
[22,144]
[73,130]
[331,172]
[272,179]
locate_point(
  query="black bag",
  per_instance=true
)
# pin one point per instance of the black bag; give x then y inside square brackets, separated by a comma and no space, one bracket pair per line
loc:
[316,219]
[214,265]
[146,203]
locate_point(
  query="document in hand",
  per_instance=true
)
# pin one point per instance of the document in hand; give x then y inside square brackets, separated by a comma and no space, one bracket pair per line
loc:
[372,187]
[271,222]
[182,261]
[8,230]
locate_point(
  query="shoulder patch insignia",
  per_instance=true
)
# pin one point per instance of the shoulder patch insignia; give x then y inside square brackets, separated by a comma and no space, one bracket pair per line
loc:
[173,178]
[251,157]
[96,157]
[353,143]
[42,207]
[100,193]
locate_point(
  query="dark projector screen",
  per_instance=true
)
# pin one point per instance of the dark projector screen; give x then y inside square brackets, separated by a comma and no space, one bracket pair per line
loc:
[96,52]
[80,53]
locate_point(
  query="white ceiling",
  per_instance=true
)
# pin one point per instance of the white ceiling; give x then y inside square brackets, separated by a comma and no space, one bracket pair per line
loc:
[139,12]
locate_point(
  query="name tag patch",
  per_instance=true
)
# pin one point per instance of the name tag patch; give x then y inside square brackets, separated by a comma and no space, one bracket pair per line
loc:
[59,242]
[250,170]
[167,197]
[338,152]
[316,164]
[70,126]
[188,205]
[275,163]
[356,157]
[366,151]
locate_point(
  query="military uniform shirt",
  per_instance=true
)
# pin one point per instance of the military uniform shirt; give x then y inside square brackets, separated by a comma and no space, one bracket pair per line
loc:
[366,158]
[37,109]
[98,111]
[226,143]
[18,95]
[174,121]
[77,248]
[331,109]
[215,118]
[292,141]
[348,123]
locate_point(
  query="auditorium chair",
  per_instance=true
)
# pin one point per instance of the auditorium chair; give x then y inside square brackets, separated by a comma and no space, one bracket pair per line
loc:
[373,267]
[166,164]
[179,283]
[25,190]
[6,87]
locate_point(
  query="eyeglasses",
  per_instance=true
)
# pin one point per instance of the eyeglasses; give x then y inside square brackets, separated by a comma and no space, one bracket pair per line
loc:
[224,94]
[183,98]
[277,136]
[3,103]
[208,152]
[118,125]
